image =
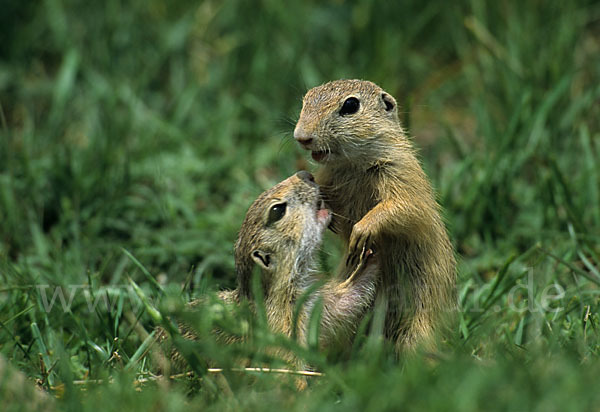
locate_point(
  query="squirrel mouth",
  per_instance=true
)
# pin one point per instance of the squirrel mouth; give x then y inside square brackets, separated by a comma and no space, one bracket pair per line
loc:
[318,156]
[323,214]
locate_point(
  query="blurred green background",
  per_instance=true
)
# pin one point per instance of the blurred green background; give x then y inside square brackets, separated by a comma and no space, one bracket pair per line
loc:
[151,126]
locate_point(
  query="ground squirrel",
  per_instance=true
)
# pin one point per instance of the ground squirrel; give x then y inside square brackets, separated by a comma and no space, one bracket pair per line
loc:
[281,233]
[380,197]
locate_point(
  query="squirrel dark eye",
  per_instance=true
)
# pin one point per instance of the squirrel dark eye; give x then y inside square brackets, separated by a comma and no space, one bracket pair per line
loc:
[350,106]
[276,213]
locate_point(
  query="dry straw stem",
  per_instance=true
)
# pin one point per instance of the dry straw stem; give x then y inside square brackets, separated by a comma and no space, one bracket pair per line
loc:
[210,370]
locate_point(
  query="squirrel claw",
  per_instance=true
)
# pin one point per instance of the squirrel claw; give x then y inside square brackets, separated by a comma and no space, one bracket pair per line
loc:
[358,250]
[365,259]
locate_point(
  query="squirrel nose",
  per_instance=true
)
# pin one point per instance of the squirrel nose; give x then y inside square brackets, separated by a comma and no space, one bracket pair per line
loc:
[306,176]
[302,137]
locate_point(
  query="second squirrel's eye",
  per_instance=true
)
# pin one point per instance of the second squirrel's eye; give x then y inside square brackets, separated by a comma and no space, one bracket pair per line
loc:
[276,213]
[350,106]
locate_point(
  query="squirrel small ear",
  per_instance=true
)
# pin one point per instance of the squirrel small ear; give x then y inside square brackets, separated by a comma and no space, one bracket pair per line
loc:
[388,101]
[263,259]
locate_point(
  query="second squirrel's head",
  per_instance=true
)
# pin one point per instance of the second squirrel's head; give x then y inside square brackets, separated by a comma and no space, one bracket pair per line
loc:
[345,119]
[281,232]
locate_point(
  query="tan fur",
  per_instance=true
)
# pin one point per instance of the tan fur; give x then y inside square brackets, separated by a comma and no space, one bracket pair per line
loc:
[381,198]
[289,246]
[292,243]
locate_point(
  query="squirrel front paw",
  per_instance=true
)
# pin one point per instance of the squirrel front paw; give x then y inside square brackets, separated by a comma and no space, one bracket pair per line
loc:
[367,266]
[361,240]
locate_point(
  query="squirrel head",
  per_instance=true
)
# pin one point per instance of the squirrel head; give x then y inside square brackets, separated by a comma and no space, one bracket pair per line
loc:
[281,232]
[345,120]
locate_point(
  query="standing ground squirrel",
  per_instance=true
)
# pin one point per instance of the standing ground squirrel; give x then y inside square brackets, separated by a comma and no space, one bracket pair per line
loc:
[381,199]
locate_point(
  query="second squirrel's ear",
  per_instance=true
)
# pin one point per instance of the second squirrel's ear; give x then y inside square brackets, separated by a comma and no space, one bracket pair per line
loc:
[263,259]
[388,101]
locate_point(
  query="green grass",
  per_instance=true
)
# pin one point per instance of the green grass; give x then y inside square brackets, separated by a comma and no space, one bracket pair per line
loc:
[134,136]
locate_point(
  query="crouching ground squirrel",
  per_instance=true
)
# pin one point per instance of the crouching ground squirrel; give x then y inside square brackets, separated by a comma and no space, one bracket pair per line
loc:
[281,233]
[381,199]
